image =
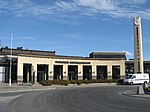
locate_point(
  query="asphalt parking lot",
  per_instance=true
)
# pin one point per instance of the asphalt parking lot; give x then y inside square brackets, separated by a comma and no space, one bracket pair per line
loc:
[76,99]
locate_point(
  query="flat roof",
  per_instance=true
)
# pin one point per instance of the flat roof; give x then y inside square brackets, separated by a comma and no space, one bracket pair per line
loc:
[109,53]
[20,50]
[69,57]
[51,54]
[132,61]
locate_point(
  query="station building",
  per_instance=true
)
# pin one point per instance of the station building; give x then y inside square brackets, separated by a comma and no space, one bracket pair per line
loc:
[35,66]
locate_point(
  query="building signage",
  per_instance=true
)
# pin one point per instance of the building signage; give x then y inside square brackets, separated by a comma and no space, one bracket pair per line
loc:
[72,62]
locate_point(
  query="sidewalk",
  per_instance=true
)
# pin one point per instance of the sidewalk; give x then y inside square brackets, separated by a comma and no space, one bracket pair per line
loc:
[133,93]
[5,88]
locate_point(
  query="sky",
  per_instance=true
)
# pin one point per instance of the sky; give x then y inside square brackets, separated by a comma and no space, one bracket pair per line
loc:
[74,27]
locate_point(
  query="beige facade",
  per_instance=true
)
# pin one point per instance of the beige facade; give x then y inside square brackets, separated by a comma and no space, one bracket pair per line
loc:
[51,61]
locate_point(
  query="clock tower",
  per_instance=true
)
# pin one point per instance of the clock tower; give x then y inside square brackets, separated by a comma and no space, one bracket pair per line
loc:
[138,49]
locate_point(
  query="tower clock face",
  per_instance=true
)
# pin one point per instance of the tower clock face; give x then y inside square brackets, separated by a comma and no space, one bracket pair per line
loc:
[137,21]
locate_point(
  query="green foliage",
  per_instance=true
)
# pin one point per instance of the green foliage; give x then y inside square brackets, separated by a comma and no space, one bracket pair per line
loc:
[61,82]
[147,90]
[46,83]
[79,82]
[120,82]
[85,81]
[73,81]
[56,82]
[65,82]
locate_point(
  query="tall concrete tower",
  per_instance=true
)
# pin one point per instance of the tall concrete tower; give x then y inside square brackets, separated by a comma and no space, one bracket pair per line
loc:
[138,49]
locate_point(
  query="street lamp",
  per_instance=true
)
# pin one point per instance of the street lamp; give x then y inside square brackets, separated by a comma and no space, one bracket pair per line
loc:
[11,37]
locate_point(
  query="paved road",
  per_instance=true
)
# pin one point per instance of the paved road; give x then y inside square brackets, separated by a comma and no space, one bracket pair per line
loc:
[91,99]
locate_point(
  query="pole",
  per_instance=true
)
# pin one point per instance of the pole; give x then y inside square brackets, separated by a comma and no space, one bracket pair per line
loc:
[11,37]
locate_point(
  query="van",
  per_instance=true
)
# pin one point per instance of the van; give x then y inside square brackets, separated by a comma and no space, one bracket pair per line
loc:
[136,79]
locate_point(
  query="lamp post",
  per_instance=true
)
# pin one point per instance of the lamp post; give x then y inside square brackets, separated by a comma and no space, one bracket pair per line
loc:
[11,37]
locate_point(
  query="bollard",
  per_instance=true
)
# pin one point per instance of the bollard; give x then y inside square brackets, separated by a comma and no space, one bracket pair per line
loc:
[145,85]
[140,90]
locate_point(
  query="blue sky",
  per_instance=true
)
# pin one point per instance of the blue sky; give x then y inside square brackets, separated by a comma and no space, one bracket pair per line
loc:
[74,27]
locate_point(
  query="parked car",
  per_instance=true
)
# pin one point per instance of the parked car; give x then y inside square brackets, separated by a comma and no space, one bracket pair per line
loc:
[136,79]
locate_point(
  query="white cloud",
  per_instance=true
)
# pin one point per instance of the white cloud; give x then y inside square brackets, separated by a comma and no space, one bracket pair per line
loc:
[75,8]
[66,6]
[129,53]
[134,1]
[112,8]
[24,8]
[97,4]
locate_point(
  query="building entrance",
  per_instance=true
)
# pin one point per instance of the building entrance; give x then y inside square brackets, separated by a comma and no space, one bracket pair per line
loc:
[42,72]
[41,76]
[87,72]
[6,64]
[101,72]
[58,72]
[27,73]
[2,74]
[73,72]
[115,72]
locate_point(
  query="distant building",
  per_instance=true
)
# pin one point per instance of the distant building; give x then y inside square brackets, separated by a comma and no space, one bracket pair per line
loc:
[130,66]
[35,65]
[108,55]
